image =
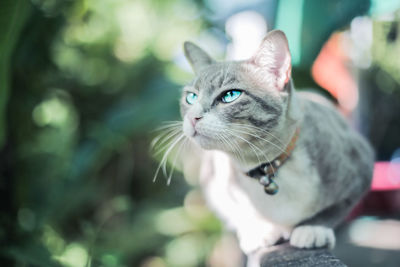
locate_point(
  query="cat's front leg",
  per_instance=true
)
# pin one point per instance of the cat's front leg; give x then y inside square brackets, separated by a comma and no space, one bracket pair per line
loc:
[312,236]
[318,231]
[260,234]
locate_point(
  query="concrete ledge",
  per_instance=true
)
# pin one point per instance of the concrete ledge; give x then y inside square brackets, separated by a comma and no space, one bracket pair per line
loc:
[285,255]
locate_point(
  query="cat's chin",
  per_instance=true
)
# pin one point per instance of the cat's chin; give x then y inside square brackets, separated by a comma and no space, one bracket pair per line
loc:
[205,142]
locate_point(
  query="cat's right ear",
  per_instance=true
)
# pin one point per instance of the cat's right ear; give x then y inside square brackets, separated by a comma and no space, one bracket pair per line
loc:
[273,60]
[197,57]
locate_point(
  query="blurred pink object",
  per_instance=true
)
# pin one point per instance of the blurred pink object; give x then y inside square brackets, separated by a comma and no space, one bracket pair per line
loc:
[384,196]
[386,176]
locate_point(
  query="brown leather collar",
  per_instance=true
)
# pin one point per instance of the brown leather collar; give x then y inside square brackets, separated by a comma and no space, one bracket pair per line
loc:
[266,172]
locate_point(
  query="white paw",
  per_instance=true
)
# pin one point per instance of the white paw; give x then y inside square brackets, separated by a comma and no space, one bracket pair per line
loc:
[310,236]
[252,239]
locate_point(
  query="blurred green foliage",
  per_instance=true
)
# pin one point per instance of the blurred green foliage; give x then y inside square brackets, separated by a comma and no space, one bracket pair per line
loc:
[12,18]
[90,80]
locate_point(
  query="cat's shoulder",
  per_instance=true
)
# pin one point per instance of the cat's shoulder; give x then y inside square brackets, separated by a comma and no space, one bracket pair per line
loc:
[310,95]
[319,112]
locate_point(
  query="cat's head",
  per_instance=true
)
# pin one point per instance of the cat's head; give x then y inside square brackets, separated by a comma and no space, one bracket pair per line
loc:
[237,103]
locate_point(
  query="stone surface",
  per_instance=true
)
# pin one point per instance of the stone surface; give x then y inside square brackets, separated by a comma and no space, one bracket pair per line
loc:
[285,255]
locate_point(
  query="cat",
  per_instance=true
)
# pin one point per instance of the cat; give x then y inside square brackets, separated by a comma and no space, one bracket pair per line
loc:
[240,115]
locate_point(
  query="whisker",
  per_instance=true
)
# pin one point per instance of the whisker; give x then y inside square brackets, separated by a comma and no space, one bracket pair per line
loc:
[235,148]
[263,139]
[168,124]
[223,139]
[252,146]
[164,139]
[165,156]
[175,159]
[260,130]
[236,144]
[256,147]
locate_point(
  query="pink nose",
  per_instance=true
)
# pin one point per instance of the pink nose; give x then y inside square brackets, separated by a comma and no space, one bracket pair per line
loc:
[195,120]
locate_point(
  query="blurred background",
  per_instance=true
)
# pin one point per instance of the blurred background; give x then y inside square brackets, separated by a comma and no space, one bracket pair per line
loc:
[84,83]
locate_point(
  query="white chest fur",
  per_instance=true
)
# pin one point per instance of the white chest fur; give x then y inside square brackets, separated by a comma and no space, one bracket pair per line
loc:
[297,196]
[242,203]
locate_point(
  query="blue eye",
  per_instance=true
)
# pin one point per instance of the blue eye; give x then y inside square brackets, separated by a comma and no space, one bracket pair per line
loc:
[191,98]
[230,96]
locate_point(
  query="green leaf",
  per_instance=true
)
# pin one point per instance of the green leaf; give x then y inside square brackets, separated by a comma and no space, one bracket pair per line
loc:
[13,14]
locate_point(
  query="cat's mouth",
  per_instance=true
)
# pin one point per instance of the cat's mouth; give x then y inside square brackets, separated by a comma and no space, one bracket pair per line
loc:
[206,141]
[196,135]
[200,135]
[193,132]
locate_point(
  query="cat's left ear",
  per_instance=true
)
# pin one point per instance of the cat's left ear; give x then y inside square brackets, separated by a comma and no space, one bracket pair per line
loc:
[197,57]
[273,57]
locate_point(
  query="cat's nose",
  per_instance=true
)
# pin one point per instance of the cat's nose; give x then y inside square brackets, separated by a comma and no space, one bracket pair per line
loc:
[194,120]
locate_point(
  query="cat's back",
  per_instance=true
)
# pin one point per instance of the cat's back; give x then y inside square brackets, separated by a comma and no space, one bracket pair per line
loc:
[339,153]
[326,125]
[321,114]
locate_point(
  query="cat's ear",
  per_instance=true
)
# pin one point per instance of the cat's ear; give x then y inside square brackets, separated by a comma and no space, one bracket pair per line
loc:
[273,56]
[197,57]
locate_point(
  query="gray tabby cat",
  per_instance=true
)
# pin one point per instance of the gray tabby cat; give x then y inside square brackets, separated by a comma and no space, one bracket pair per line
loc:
[238,115]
